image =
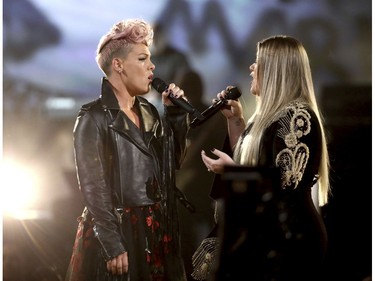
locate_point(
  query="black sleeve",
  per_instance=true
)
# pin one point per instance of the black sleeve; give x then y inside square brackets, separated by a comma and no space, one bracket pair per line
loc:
[218,186]
[178,121]
[91,162]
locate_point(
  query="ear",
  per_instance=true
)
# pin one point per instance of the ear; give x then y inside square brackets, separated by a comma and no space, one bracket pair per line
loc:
[117,65]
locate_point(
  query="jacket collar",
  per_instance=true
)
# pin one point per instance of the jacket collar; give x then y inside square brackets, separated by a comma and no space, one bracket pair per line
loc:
[108,97]
[121,124]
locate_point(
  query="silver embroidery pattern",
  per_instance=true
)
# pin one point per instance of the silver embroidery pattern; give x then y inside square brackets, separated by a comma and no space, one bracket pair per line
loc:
[293,159]
[204,258]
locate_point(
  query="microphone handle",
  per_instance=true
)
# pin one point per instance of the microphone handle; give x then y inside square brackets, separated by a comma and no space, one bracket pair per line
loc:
[184,104]
[213,108]
[208,113]
[181,102]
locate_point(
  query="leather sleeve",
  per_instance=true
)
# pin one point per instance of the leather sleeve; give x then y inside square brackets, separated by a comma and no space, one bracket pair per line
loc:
[91,164]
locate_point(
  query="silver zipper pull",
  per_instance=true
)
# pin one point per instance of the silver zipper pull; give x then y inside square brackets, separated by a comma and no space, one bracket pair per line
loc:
[119,212]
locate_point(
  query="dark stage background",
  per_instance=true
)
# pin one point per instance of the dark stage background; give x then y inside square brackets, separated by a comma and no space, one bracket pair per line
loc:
[49,71]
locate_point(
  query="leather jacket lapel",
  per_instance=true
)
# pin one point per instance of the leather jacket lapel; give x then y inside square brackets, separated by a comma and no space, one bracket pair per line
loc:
[122,125]
[150,124]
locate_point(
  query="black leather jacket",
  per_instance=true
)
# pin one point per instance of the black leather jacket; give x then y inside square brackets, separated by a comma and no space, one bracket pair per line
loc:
[117,166]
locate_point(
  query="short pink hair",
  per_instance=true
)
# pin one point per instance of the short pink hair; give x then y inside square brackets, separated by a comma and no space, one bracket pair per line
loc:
[118,39]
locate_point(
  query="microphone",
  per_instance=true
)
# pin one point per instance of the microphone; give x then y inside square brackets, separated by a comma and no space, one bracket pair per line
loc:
[232,94]
[160,86]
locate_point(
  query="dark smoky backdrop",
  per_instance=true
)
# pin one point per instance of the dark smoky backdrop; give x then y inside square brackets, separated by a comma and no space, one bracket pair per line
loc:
[49,71]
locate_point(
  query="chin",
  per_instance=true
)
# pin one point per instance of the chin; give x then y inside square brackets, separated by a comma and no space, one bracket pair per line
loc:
[143,91]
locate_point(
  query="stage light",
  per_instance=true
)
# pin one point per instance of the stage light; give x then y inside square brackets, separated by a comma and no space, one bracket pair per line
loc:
[19,190]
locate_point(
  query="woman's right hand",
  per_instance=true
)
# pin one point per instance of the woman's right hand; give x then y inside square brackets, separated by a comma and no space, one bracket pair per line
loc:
[118,265]
[232,108]
[234,114]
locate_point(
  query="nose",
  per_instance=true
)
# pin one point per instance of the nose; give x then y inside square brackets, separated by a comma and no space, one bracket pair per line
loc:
[252,67]
[152,66]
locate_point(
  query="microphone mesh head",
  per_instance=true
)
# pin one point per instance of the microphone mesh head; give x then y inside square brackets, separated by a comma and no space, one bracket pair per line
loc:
[159,85]
[233,93]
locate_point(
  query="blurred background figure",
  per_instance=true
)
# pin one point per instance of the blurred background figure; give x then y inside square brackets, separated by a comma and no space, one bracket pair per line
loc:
[169,62]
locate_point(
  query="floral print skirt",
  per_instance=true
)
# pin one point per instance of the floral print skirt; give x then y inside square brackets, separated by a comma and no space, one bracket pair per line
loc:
[146,242]
[151,252]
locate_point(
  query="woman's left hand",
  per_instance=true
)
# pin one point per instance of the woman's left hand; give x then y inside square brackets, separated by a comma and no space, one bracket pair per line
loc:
[217,165]
[175,91]
[118,265]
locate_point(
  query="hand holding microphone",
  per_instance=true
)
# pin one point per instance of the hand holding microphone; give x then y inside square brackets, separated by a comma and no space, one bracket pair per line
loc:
[232,93]
[160,86]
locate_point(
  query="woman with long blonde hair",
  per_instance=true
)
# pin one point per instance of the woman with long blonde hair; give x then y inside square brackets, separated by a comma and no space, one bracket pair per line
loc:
[285,132]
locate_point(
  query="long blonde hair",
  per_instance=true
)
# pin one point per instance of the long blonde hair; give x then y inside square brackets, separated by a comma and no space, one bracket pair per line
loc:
[284,76]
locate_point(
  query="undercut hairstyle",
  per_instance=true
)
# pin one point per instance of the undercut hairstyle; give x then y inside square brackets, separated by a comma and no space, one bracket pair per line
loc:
[119,40]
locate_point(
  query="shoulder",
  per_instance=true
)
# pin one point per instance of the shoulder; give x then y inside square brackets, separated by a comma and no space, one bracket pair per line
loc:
[294,109]
[92,112]
[92,105]
[296,119]
[295,130]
